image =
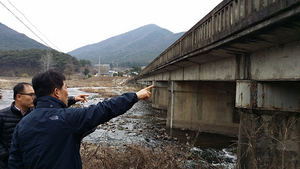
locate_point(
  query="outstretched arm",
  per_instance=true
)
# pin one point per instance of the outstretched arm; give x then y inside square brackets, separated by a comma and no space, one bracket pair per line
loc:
[94,115]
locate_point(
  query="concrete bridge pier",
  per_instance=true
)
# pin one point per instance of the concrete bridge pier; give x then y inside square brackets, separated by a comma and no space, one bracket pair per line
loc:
[160,95]
[203,104]
[269,124]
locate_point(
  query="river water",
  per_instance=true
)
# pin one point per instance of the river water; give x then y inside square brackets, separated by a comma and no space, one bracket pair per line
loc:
[147,126]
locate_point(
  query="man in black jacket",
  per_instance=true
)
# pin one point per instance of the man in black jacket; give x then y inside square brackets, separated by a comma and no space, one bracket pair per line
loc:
[10,116]
[50,136]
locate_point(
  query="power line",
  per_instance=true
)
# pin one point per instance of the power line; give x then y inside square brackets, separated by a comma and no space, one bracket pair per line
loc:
[34,26]
[26,25]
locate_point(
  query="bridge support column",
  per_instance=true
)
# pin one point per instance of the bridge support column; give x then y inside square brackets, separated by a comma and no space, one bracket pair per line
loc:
[269,133]
[209,105]
[160,95]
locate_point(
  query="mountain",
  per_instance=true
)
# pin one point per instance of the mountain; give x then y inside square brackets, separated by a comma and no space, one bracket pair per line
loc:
[134,48]
[139,46]
[12,40]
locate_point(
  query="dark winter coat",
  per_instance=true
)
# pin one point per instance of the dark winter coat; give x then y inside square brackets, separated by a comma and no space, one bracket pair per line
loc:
[9,118]
[50,136]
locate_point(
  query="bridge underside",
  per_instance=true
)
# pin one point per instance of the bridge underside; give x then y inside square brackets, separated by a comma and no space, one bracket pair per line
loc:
[255,96]
[187,103]
[245,84]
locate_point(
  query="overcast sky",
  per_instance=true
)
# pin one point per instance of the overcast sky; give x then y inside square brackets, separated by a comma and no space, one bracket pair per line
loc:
[70,24]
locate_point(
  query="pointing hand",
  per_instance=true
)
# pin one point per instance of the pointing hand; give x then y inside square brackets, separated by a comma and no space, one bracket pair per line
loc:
[81,97]
[144,94]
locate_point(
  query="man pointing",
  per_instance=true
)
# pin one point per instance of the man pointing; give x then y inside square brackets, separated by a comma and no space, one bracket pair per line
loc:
[23,95]
[50,136]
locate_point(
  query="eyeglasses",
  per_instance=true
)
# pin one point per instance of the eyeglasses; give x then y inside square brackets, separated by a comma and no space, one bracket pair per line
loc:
[28,94]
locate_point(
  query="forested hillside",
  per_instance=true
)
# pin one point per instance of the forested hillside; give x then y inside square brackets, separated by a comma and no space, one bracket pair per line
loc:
[32,61]
[22,56]
[135,48]
[12,40]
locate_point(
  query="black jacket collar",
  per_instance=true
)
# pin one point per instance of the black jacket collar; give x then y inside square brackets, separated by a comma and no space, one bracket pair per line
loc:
[18,112]
[49,102]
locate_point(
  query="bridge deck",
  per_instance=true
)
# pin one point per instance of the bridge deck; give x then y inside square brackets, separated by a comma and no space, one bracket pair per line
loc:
[234,27]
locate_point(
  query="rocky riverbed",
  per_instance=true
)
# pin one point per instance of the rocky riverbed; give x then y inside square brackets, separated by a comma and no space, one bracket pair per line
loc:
[146,126]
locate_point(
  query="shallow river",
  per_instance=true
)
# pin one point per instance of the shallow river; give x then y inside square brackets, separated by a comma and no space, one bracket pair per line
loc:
[147,126]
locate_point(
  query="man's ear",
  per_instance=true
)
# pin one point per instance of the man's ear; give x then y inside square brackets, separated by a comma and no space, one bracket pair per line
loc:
[18,97]
[56,93]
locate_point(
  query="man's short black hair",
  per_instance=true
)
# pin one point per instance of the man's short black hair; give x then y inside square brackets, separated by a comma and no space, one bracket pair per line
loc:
[19,88]
[45,83]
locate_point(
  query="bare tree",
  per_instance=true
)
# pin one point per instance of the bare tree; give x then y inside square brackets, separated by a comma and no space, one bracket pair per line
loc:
[69,70]
[47,61]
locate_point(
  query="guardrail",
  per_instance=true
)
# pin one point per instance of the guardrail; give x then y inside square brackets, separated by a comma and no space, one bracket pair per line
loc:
[226,19]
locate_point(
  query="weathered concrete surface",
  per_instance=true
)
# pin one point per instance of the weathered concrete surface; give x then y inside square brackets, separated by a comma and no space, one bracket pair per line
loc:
[160,95]
[269,139]
[269,135]
[276,63]
[273,63]
[208,105]
[223,69]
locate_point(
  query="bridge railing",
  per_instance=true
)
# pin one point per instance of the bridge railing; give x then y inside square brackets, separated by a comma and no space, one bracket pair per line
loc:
[226,19]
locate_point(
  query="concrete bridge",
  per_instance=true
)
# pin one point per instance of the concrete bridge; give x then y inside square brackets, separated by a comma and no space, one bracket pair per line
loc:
[237,72]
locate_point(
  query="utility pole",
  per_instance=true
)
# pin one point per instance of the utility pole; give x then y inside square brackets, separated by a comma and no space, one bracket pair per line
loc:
[99,67]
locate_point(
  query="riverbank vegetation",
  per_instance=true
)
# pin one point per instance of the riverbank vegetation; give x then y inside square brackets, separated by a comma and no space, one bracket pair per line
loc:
[74,81]
[131,156]
[18,63]
[134,156]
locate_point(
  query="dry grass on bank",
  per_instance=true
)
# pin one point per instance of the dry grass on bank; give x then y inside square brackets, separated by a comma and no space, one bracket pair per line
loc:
[134,156]
[104,92]
[97,82]
[114,86]
[10,82]
[109,92]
